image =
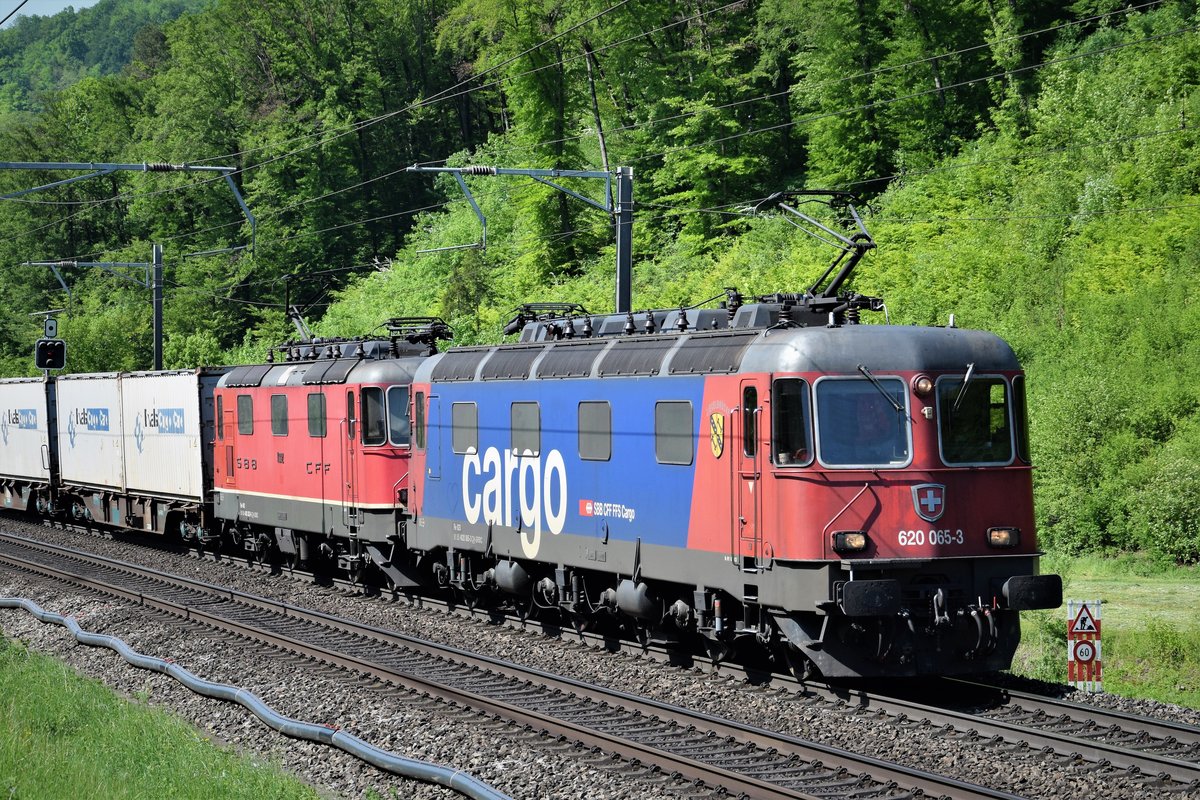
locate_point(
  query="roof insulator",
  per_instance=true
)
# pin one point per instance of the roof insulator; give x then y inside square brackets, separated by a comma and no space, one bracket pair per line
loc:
[682,323]
[630,328]
[650,326]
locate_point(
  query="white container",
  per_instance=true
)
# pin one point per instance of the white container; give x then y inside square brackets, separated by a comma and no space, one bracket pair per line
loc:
[24,430]
[90,447]
[168,429]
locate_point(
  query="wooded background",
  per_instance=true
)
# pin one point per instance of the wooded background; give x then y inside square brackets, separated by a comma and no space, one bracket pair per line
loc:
[1031,167]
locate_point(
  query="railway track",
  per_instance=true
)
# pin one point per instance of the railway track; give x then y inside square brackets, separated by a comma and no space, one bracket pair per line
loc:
[1157,754]
[716,754]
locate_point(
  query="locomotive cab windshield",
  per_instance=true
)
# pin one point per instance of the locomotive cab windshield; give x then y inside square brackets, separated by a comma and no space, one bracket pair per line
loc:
[975,420]
[858,424]
[386,423]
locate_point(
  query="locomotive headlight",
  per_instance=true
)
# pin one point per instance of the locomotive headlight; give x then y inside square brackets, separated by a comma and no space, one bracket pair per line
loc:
[922,385]
[1004,537]
[849,541]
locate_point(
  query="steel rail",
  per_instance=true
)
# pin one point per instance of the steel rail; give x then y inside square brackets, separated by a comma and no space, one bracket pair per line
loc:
[886,773]
[1067,744]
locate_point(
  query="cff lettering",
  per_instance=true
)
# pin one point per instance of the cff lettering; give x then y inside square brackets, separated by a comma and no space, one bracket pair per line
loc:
[594,508]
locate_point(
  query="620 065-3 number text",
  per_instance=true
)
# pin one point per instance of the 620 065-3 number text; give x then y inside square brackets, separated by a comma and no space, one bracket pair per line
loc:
[934,536]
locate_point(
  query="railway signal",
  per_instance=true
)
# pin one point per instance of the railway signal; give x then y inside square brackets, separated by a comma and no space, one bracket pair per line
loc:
[50,353]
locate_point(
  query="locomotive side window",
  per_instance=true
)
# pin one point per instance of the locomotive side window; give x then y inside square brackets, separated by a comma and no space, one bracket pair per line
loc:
[595,431]
[350,420]
[1021,419]
[399,425]
[220,417]
[316,415]
[245,415]
[464,419]
[526,423]
[749,429]
[791,431]
[973,424]
[673,432]
[858,424]
[374,418]
[279,417]
[419,411]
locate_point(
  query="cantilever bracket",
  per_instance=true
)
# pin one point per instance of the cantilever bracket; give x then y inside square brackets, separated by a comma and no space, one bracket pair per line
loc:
[540,175]
[482,243]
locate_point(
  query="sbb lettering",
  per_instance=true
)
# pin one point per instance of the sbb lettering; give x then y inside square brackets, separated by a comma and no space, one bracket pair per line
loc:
[540,499]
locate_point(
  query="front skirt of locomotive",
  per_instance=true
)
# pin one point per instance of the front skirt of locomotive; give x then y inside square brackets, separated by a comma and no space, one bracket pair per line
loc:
[905,618]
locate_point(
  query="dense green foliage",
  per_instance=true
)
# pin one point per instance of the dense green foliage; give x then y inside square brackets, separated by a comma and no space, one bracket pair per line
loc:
[39,55]
[64,736]
[1033,169]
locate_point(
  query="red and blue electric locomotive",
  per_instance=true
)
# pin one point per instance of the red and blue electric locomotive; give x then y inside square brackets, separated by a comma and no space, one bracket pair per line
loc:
[859,493]
[763,475]
[855,497]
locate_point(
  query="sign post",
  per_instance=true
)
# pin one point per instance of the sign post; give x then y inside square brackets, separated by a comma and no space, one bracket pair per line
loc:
[1083,645]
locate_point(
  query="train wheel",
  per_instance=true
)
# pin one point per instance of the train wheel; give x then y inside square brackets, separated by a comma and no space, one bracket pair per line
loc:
[799,665]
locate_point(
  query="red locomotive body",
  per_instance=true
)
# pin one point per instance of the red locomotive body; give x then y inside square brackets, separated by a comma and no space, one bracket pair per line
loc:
[311,453]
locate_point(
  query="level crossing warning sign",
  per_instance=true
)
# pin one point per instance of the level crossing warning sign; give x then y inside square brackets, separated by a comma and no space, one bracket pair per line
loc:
[1083,645]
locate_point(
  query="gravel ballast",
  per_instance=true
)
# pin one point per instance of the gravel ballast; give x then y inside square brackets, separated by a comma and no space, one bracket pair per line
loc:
[519,764]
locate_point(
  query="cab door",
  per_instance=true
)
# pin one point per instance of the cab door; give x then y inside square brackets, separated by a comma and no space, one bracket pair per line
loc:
[747,463]
[433,457]
[349,459]
[226,441]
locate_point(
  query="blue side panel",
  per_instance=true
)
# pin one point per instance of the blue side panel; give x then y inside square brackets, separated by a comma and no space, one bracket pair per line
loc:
[555,491]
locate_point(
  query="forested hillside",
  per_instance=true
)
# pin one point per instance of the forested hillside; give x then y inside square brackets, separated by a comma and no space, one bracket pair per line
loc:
[1031,168]
[39,55]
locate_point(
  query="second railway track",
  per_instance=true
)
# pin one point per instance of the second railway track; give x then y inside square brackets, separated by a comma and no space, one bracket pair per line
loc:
[1081,742]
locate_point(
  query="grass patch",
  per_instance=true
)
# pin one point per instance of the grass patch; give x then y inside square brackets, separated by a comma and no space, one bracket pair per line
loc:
[1151,640]
[62,735]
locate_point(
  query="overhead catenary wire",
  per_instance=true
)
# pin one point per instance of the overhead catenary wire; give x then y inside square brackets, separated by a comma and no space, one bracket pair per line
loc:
[720,210]
[443,95]
[746,133]
[1016,156]
[10,14]
[358,126]
[670,211]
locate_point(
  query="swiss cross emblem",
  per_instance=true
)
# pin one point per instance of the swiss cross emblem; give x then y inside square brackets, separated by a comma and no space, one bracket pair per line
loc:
[929,499]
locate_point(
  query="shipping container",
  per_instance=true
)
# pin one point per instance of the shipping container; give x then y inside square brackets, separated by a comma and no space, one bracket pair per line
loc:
[167,420]
[24,430]
[90,447]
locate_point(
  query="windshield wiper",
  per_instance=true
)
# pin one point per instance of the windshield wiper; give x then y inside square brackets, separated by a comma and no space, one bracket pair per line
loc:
[963,391]
[875,382]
